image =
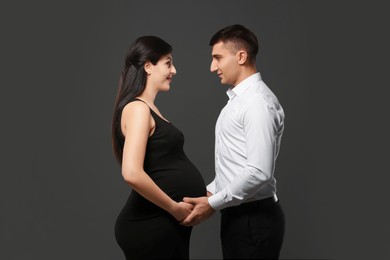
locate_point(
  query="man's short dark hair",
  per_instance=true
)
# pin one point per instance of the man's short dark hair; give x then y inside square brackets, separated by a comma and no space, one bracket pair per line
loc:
[241,38]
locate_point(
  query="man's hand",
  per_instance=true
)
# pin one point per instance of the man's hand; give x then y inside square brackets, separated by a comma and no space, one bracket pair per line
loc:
[181,210]
[200,213]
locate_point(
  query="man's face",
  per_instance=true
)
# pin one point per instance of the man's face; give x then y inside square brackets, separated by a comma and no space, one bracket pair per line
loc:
[225,63]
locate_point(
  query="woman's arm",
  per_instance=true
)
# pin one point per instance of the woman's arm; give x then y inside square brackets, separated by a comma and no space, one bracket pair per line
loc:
[136,126]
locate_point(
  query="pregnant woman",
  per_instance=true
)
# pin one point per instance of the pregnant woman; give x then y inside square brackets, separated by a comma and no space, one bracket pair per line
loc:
[150,151]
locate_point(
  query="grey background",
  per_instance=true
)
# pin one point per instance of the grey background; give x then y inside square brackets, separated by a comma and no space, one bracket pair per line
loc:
[61,188]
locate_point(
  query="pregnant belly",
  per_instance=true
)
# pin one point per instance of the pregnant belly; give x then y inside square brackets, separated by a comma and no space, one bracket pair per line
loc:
[183,180]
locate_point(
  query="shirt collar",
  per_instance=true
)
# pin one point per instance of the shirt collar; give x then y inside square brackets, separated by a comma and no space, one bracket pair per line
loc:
[243,85]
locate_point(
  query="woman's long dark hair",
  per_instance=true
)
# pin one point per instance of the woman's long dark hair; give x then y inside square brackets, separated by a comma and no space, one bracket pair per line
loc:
[133,81]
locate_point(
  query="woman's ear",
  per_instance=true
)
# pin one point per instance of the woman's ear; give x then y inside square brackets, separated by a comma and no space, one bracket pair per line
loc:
[148,67]
[242,57]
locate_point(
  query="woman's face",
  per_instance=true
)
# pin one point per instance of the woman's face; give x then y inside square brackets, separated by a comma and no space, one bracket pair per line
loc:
[160,75]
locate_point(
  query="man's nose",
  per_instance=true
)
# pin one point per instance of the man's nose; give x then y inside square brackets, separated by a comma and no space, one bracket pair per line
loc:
[213,67]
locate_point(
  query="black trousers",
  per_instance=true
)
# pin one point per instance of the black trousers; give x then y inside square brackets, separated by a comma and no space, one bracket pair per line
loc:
[253,230]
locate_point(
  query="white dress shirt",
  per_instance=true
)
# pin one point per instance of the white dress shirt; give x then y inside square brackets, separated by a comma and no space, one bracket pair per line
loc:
[248,133]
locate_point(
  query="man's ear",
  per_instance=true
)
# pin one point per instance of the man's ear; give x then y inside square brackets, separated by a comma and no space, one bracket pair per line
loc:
[242,57]
[148,67]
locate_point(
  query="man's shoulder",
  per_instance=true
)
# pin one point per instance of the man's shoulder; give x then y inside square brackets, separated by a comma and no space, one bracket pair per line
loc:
[258,93]
[259,97]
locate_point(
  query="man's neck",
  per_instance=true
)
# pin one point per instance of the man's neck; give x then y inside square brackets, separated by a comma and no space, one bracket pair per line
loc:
[246,72]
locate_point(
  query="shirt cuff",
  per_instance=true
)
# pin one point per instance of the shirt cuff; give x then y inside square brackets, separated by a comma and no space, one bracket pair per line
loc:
[216,201]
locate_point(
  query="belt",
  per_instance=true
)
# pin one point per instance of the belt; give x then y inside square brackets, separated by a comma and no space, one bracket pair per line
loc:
[251,206]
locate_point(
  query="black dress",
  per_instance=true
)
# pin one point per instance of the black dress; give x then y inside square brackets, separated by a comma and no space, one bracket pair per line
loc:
[144,230]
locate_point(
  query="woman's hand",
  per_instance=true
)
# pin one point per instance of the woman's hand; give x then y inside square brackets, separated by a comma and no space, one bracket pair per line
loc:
[180,210]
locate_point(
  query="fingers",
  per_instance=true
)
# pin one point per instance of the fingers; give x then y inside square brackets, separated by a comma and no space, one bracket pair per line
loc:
[182,211]
[198,210]
[190,200]
[188,220]
[193,218]
[188,205]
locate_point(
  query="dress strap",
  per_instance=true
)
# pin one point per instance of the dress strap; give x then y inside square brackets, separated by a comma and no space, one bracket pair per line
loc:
[139,100]
[153,113]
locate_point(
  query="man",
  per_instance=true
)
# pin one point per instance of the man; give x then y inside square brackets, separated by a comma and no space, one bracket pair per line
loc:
[247,141]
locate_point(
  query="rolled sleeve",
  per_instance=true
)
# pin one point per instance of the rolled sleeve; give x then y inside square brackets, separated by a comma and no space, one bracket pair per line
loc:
[211,187]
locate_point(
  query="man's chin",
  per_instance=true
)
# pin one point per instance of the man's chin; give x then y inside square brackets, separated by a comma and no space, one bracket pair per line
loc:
[223,82]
